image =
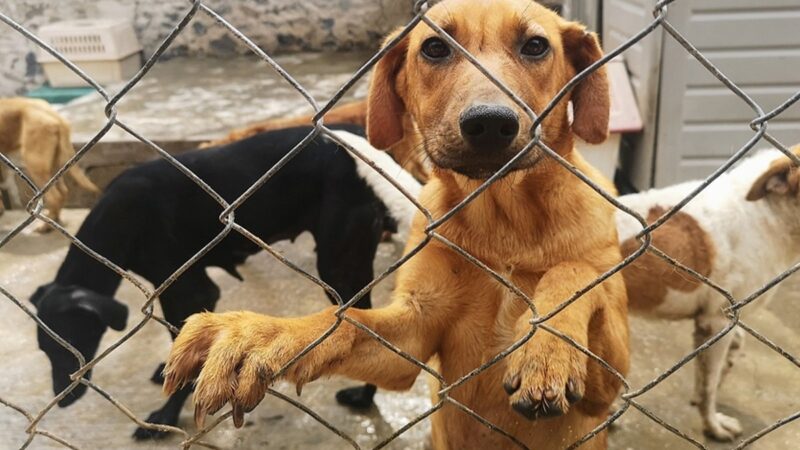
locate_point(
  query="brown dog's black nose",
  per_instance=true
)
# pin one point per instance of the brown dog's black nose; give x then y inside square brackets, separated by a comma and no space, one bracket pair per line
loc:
[489,127]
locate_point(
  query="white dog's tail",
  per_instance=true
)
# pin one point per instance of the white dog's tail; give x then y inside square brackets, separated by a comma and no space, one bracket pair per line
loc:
[400,207]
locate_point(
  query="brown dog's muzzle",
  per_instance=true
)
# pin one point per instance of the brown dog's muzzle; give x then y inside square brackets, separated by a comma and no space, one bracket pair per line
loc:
[489,132]
[489,128]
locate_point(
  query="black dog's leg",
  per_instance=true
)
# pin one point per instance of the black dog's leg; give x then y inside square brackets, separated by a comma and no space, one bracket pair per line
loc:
[193,292]
[358,397]
[346,247]
[158,375]
[167,415]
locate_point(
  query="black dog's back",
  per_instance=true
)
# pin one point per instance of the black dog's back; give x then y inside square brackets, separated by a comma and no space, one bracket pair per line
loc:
[161,217]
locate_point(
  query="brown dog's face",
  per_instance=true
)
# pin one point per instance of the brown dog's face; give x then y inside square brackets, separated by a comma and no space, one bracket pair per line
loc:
[468,124]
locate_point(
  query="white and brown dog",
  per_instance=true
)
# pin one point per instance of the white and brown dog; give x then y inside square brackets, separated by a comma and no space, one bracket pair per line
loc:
[759,195]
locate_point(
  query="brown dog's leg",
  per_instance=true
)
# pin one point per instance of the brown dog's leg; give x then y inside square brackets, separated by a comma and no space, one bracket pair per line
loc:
[5,185]
[39,152]
[235,355]
[53,199]
[547,375]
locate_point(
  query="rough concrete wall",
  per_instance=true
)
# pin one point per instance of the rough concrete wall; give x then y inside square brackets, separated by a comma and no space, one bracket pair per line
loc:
[275,25]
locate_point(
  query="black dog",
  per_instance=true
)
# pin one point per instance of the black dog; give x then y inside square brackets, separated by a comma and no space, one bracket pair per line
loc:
[152,219]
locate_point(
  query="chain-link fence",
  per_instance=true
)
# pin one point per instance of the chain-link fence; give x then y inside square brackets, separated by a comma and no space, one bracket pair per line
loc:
[630,397]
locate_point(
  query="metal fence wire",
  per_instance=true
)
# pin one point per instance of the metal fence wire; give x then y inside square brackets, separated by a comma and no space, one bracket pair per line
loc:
[630,397]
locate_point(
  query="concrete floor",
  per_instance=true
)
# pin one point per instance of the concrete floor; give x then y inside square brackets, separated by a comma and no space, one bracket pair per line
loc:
[762,388]
[229,93]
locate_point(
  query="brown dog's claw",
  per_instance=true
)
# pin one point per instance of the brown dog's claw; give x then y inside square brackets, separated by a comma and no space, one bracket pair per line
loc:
[545,377]
[511,386]
[199,416]
[573,393]
[238,415]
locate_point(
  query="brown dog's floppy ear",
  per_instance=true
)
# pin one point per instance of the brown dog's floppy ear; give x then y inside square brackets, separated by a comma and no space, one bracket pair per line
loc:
[781,178]
[385,108]
[591,102]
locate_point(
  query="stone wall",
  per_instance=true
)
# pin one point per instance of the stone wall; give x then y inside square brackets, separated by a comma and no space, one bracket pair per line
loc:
[275,25]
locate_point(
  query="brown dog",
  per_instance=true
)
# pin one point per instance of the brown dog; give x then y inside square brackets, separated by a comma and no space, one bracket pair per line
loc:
[42,137]
[353,113]
[541,227]
[407,151]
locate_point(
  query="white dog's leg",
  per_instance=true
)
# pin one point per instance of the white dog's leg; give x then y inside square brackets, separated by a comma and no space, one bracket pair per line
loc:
[737,344]
[710,365]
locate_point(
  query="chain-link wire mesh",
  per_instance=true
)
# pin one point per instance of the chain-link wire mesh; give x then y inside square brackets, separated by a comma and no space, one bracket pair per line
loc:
[630,396]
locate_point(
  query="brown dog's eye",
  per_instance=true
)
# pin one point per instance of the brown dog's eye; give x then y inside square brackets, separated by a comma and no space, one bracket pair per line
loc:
[536,47]
[435,48]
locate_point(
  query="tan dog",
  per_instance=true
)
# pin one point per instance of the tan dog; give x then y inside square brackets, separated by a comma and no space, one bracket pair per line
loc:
[42,137]
[407,152]
[541,227]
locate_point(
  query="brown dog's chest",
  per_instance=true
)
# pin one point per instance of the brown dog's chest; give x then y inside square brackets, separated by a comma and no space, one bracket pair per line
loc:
[528,224]
[522,249]
[488,314]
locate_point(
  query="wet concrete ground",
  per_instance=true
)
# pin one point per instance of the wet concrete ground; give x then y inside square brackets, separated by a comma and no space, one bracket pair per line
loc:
[762,388]
[201,98]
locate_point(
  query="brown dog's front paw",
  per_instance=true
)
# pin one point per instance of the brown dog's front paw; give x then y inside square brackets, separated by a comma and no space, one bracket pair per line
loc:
[545,377]
[232,356]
